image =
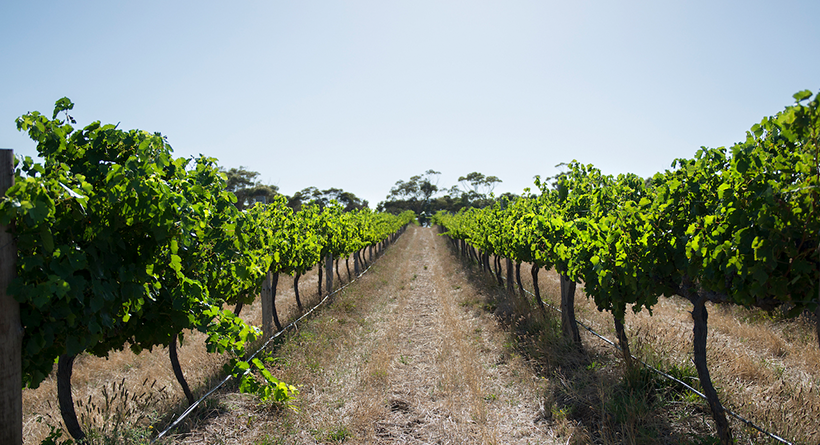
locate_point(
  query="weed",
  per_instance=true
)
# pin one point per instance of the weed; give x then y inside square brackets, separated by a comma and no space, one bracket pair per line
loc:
[349,306]
[594,366]
[55,435]
[511,343]
[313,365]
[339,435]
[306,336]
[701,440]
[561,414]
[268,388]
[270,440]
[122,416]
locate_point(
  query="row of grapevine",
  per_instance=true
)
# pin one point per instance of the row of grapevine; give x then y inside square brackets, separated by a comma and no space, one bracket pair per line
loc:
[119,244]
[738,225]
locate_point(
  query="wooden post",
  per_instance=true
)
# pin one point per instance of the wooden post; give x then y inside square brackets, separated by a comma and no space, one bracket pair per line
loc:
[569,326]
[329,272]
[11,330]
[319,266]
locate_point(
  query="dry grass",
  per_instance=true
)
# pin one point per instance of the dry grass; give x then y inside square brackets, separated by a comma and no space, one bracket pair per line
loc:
[765,367]
[405,355]
[147,376]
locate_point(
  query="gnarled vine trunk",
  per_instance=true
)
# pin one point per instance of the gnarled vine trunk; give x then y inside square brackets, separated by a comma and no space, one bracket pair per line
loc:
[623,342]
[338,275]
[172,354]
[498,271]
[700,318]
[274,283]
[296,290]
[536,289]
[362,258]
[65,366]
[510,285]
[518,278]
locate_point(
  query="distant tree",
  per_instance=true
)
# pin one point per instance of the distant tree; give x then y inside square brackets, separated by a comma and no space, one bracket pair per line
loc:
[305,196]
[414,194]
[417,194]
[478,183]
[478,189]
[243,184]
[419,187]
[556,179]
[324,197]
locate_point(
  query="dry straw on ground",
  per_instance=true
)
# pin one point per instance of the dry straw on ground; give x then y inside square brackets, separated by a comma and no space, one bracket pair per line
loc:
[147,376]
[765,367]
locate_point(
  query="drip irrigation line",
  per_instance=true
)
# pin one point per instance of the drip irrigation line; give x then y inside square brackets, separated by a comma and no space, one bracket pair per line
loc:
[252,356]
[659,372]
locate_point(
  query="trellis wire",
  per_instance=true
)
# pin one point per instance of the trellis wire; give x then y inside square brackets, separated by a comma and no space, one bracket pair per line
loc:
[659,372]
[252,356]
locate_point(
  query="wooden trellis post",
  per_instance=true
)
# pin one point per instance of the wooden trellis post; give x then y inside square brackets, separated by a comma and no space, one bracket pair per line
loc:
[11,330]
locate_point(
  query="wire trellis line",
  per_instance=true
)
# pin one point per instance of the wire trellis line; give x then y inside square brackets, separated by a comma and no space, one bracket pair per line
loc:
[663,374]
[193,406]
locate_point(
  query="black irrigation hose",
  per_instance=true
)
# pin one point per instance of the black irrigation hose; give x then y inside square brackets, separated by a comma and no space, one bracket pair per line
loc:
[252,356]
[659,372]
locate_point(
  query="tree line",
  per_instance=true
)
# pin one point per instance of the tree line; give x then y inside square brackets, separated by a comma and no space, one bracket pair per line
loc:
[248,190]
[419,194]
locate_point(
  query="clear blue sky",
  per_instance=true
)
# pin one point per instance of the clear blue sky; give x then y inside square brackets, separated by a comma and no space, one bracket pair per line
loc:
[360,94]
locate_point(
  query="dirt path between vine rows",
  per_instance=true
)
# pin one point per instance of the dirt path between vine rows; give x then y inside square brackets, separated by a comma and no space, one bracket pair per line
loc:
[448,380]
[420,364]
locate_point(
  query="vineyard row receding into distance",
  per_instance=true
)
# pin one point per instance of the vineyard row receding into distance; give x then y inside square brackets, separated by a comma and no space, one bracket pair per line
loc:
[119,244]
[737,226]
